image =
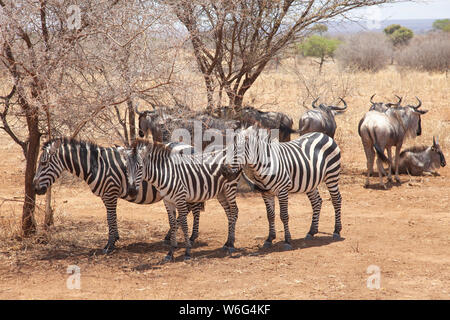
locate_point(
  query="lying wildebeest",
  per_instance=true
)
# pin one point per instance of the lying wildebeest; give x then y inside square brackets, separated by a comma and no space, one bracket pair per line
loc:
[381,106]
[320,119]
[383,130]
[422,159]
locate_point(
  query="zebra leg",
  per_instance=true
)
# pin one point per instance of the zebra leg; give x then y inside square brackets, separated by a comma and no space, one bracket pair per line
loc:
[231,210]
[183,210]
[111,217]
[195,226]
[269,201]
[171,212]
[336,199]
[284,215]
[316,204]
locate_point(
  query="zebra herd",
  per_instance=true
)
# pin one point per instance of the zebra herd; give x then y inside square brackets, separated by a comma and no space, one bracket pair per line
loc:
[184,178]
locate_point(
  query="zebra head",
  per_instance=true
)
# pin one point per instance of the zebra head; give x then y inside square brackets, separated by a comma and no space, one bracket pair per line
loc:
[134,170]
[49,167]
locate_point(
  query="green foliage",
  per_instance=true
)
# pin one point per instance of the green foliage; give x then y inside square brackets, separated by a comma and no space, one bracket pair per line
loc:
[391,29]
[398,35]
[319,28]
[442,24]
[319,47]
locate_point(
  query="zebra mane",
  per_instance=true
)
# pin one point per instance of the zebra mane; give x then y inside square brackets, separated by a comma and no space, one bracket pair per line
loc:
[70,141]
[414,149]
[154,145]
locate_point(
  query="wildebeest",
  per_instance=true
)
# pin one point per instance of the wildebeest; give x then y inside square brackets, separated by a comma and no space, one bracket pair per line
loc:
[320,119]
[418,160]
[383,130]
[381,106]
[163,122]
[270,120]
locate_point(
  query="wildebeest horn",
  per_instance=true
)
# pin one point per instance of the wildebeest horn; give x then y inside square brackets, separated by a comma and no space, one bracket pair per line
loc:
[340,108]
[314,102]
[371,101]
[399,100]
[136,109]
[435,141]
[420,103]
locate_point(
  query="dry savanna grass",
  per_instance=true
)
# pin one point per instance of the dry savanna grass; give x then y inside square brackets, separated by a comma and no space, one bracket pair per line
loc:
[403,230]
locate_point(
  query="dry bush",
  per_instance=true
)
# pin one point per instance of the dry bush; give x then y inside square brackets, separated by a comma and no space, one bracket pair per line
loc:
[429,52]
[364,52]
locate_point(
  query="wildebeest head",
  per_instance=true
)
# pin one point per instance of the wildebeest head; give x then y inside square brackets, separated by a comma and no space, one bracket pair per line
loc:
[413,116]
[437,152]
[381,106]
[330,108]
[145,120]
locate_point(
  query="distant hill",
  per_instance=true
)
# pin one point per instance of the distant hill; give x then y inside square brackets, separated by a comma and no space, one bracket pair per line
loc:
[416,25]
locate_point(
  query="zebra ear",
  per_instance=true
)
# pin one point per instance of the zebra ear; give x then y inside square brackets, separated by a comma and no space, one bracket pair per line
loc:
[55,146]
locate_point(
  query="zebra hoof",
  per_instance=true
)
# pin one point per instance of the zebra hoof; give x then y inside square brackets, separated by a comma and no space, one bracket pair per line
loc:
[336,236]
[287,247]
[228,249]
[309,236]
[267,244]
[168,258]
[108,249]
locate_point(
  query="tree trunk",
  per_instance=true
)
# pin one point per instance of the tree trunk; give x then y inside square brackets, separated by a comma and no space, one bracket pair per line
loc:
[132,121]
[28,220]
[48,221]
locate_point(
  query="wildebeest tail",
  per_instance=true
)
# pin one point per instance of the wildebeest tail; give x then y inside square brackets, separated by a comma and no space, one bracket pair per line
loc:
[378,150]
[252,185]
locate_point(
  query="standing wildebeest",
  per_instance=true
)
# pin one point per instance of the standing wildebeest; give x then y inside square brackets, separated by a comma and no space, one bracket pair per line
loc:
[320,119]
[383,130]
[162,123]
[419,160]
[381,106]
[269,120]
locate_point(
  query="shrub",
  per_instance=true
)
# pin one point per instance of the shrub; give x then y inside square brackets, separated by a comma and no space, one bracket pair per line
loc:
[319,47]
[365,52]
[442,24]
[428,53]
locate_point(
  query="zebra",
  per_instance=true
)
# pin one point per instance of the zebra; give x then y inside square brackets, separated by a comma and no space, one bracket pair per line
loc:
[104,170]
[184,178]
[295,166]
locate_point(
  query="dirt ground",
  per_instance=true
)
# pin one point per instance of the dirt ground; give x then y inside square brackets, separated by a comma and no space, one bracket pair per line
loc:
[403,232]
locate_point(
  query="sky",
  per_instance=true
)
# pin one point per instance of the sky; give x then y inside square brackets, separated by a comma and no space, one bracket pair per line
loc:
[420,9]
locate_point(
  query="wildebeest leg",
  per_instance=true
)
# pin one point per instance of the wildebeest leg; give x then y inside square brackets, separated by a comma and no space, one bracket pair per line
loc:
[269,201]
[390,164]
[284,215]
[316,204]
[380,168]
[111,217]
[370,156]
[397,160]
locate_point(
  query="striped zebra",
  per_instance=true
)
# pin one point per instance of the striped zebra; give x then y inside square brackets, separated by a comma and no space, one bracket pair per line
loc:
[296,166]
[104,170]
[183,178]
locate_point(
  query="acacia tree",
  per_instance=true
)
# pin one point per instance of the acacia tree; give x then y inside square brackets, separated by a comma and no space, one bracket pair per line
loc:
[66,66]
[234,40]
